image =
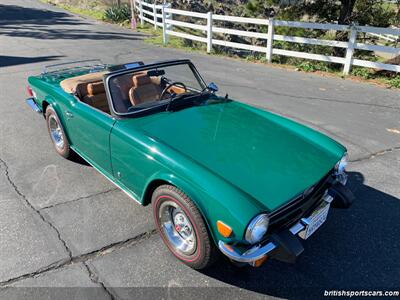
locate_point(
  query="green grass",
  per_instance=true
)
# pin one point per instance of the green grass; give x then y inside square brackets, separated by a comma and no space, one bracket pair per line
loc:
[362,72]
[314,66]
[155,38]
[98,15]
[91,13]
[390,6]
[368,74]
[394,82]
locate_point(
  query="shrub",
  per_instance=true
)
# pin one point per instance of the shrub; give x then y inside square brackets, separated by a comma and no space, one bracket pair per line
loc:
[312,66]
[117,14]
[361,72]
[394,82]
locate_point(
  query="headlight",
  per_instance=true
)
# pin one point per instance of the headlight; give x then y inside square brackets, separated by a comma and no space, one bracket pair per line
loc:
[340,169]
[257,228]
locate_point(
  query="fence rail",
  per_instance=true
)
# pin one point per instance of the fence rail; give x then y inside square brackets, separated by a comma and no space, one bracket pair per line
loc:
[163,16]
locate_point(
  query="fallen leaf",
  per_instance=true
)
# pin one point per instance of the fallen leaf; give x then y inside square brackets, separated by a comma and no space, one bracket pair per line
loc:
[393,130]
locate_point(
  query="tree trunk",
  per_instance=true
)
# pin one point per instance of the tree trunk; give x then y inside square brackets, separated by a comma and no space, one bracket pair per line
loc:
[345,14]
[346,11]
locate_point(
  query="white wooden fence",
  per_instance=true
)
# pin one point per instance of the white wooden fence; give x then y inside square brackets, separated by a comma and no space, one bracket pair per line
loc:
[163,16]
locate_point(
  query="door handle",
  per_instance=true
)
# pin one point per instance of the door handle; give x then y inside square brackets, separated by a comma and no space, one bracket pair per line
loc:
[69,114]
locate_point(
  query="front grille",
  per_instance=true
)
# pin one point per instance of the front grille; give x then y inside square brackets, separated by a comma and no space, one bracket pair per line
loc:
[299,207]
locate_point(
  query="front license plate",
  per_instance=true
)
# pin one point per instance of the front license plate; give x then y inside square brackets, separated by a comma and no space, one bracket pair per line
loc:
[316,220]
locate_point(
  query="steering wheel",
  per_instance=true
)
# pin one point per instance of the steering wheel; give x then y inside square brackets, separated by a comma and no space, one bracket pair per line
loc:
[175,83]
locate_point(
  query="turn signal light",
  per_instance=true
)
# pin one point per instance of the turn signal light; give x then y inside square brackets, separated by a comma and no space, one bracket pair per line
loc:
[224,229]
[260,261]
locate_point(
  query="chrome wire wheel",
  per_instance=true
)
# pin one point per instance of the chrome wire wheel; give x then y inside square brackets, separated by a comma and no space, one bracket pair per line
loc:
[177,228]
[56,132]
[182,227]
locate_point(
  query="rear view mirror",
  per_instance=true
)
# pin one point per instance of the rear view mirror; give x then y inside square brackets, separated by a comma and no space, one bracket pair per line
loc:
[212,87]
[155,73]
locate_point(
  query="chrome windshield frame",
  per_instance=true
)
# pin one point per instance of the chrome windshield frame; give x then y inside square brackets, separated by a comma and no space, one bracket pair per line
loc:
[112,75]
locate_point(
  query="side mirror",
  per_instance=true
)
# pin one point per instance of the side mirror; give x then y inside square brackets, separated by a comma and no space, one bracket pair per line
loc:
[212,87]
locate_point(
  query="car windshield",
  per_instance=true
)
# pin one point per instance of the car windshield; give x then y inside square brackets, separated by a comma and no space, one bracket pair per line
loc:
[146,88]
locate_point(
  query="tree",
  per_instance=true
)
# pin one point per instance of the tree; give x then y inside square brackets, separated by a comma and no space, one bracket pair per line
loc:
[346,11]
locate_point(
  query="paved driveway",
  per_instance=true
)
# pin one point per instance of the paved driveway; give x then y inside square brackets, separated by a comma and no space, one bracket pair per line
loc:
[62,224]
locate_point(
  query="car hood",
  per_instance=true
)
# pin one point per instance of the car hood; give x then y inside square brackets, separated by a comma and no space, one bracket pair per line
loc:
[269,157]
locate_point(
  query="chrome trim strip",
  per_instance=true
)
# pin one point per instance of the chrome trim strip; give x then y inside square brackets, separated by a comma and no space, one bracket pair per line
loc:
[328,198]
[107,177]
[32,103]
[296,228]
[98,63]
[305,221]
[251,255]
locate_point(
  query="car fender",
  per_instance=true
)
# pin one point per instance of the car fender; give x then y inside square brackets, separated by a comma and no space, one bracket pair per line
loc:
[216,201]
[53,103]
[183,185]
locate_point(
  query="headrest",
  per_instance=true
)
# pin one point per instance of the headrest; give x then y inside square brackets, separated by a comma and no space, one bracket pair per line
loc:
[141,79]
[95,88]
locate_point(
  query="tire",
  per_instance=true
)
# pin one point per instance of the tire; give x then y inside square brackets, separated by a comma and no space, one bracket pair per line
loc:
[172,209]
[343,197]
[57,133]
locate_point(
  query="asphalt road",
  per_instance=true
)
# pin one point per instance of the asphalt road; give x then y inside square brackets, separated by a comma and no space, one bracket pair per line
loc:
[64,225]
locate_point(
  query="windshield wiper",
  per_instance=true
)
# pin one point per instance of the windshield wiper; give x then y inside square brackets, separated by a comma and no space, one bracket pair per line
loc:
[178,97]
[184,96]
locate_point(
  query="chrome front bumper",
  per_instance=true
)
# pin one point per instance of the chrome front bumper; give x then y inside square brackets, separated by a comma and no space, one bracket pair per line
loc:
[260,251]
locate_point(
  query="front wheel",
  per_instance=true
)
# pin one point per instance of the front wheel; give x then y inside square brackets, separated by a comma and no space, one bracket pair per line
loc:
[182,227]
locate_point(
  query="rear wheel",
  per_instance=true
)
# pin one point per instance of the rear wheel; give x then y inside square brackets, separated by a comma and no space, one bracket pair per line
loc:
[182,227]
[56,132]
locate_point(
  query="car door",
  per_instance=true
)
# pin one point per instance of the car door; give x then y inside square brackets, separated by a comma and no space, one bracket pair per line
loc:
[89,131]
[134,157]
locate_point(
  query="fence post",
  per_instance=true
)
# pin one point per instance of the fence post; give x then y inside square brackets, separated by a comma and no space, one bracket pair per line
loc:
[209,31]
[169,17]
[141,13]
[155,15]
[350,50]
[133,13]
[270,38]
[164,31]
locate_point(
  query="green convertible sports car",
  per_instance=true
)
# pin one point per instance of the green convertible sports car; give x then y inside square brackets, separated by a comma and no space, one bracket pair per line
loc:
[221,176]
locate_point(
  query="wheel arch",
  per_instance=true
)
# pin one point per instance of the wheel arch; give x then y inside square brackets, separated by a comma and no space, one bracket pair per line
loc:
[49,102]
[45,104]
[163,178]
[150,188]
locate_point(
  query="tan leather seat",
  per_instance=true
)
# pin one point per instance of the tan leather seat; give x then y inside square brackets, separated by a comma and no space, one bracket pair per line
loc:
[96,96]
[143,90]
